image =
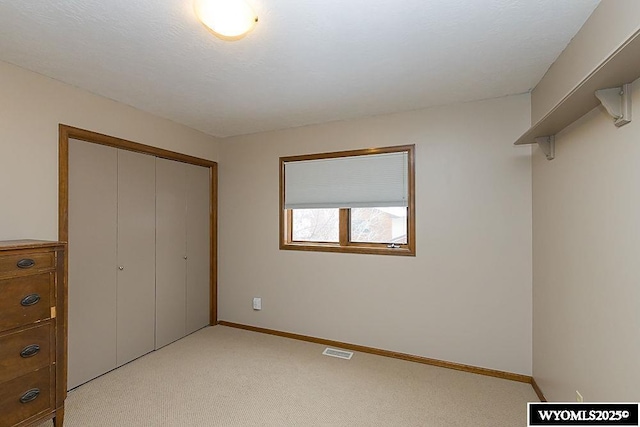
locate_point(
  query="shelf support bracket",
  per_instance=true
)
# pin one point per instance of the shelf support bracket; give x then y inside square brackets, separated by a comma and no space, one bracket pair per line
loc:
[617,102]
[548,145]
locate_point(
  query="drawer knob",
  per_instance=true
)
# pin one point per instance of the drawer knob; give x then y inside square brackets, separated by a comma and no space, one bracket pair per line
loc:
[31,299]
[30,395]
[30,350]
[26,263]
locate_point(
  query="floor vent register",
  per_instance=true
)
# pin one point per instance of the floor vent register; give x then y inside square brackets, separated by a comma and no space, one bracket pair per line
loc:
[340,354]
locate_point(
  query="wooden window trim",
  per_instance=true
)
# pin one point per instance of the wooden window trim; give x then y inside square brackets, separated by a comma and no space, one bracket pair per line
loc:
[345,245]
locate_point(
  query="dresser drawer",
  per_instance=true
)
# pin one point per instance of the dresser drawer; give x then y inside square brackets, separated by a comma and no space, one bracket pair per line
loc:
[25,300]
[23,263]
[25,396]
[24,351]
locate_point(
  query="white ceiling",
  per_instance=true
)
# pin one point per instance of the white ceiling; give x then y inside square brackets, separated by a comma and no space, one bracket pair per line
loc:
[307,61]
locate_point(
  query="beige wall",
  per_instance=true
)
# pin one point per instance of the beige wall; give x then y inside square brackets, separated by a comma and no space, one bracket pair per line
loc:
[31,107]
[613,22]
[466,296]
[585,258]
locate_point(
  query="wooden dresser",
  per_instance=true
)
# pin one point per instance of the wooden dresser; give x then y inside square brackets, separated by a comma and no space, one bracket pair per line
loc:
[33,301]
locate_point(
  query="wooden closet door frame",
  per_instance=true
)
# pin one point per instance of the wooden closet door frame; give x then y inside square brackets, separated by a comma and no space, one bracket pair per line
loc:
[69,132]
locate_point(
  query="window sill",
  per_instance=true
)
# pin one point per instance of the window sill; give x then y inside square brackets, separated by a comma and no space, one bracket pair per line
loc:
[352,249]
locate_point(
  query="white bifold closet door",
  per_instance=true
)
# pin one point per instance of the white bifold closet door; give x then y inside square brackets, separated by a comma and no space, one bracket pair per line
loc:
[198,247]
[139,255]
[171,251]
[93,226]
[111,259]
[136,285]
[182,249]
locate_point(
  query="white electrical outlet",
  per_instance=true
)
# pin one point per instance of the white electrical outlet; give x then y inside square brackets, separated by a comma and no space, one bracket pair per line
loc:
[257,303]
[579,397]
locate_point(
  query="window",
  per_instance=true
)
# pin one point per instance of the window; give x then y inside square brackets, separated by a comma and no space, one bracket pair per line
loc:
[358,201]
[315,225]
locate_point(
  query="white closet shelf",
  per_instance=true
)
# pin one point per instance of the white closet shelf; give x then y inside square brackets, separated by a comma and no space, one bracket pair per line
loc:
[616,71]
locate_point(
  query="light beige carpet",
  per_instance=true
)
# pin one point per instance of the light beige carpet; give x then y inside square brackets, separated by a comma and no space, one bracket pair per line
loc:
[220,376]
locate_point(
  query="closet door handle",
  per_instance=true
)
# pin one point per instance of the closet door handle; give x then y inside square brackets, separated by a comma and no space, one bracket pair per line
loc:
[30,395]
[26,263]
[185,257]
[121,268]
[30,350]
[29,300]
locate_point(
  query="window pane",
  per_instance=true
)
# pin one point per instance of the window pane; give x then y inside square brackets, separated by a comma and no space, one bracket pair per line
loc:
[379,225]
[316,225]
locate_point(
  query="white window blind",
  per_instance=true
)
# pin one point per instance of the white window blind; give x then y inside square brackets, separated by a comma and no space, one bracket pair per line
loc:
[367,181]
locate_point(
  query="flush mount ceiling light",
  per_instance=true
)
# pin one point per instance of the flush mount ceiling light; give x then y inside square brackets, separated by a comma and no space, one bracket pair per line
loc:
[227,19]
